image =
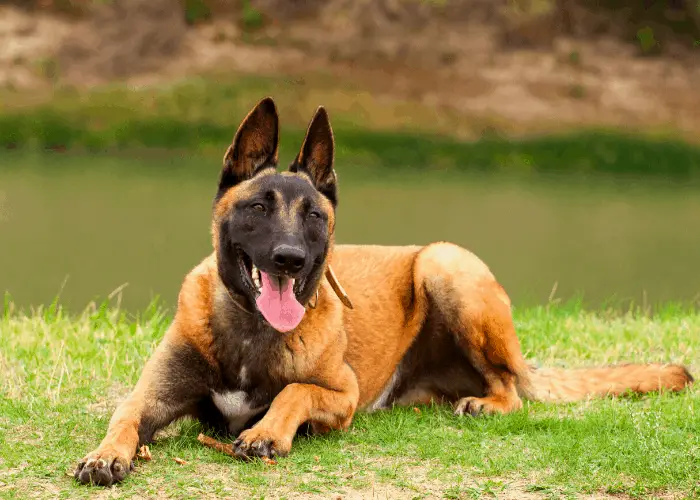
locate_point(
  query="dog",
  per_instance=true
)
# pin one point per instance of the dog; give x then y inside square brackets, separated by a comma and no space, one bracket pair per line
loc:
[280,327]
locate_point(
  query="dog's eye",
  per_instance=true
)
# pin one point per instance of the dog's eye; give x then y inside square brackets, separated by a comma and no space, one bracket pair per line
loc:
[259,207]
[314,215]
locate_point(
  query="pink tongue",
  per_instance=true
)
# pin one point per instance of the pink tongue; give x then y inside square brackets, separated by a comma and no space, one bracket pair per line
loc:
[278,304]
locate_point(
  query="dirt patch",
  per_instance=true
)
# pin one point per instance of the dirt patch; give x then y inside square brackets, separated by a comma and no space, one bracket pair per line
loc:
[105,406]
[28,42]
[575,82]
[119,39]
[552,62]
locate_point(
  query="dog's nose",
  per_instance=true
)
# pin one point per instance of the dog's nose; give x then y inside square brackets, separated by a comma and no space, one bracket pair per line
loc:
[288,259]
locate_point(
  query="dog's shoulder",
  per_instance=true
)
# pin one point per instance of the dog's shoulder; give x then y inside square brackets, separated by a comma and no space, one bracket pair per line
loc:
[195,305]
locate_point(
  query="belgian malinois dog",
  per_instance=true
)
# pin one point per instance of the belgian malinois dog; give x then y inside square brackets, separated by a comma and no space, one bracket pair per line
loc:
[279,327]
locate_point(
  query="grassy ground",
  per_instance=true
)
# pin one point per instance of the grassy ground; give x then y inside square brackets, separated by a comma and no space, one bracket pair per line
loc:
[60,376]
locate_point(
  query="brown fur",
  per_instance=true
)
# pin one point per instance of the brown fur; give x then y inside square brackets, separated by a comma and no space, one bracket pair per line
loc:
[428,324]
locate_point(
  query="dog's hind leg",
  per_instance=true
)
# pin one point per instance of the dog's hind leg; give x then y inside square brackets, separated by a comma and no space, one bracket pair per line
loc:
[476,310]
[174,379]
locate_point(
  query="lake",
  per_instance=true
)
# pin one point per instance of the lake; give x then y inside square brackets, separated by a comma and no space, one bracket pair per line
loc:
[85,225]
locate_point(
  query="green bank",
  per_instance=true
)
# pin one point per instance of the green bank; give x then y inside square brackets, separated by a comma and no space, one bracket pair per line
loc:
[202,113]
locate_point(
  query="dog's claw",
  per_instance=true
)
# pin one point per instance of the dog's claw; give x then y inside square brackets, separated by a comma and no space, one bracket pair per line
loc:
[260,446]
[104,470]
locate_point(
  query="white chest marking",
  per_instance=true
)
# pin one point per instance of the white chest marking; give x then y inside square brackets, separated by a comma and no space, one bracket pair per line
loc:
[235,407]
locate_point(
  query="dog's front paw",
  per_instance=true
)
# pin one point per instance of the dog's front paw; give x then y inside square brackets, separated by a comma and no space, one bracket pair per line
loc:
[103,467]
[259,442]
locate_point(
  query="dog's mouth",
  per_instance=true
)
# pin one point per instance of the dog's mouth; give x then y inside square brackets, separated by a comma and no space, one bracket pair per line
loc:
[276,296]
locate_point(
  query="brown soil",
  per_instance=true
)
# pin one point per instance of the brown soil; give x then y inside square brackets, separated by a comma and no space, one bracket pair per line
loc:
[119,39]
[554,62]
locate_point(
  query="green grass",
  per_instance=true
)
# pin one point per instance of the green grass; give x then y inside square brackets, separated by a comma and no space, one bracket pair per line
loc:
[202,113]
[60,375]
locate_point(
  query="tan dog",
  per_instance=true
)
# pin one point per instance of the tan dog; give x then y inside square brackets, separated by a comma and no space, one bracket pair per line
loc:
[263,329]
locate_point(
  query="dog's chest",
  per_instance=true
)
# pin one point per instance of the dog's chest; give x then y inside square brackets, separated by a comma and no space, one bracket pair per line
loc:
[237,407]
[249,362]
[248,379]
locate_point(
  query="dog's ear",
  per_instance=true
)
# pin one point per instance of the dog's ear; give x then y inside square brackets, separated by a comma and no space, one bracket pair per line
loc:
[317,155]
[255,146]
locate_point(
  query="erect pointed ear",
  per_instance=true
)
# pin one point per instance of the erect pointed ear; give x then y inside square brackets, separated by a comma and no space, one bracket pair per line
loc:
[255,146]
[317,154]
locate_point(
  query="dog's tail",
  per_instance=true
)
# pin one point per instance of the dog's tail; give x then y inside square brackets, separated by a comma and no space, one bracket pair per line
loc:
[560,385]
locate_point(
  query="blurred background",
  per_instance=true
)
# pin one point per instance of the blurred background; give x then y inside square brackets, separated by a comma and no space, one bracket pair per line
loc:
[557,139]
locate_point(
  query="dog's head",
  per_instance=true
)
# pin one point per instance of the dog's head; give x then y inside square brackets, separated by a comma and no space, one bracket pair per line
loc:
[273,230]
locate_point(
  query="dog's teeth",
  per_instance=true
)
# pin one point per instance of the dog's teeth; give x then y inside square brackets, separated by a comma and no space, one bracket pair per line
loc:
[255,275]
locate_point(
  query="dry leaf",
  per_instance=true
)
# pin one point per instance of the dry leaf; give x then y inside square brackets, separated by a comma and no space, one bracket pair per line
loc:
[269,461]
[416,409]
[180,461]
[318,459]
[145,453]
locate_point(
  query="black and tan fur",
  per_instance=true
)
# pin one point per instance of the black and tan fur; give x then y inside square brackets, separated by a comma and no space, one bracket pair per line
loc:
[427,323]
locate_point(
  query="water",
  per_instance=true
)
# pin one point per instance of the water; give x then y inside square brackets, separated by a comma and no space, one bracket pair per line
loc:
[86,225]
